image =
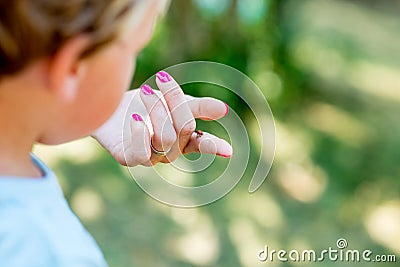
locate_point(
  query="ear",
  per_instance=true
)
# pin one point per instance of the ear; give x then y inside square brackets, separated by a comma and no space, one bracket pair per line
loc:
[66,67]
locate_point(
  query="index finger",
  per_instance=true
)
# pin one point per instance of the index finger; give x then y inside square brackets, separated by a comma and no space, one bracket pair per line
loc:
[207,108]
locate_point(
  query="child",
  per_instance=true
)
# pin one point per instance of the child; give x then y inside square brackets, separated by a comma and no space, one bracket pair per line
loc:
[64,66]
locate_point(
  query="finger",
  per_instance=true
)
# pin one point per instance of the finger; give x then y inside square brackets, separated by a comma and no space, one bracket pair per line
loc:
[182,117]
[207,108]
[206,143]
[138,151]
[164,133]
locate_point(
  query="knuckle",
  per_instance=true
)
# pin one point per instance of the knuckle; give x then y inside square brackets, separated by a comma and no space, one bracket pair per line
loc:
[131,162]
[202,106]
[142,157]
[189,128]
[147,164]
[174,92]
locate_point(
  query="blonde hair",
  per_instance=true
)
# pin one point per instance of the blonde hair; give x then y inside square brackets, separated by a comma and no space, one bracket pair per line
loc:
[31,29]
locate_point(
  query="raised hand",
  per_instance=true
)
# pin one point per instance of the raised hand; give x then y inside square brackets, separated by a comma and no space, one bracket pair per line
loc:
[171,130]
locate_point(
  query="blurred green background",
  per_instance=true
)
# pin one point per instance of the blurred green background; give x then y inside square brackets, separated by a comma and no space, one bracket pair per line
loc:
[330,71]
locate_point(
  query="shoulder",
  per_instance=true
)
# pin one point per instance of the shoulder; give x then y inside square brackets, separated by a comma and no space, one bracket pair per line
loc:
[44,234]
[22,240]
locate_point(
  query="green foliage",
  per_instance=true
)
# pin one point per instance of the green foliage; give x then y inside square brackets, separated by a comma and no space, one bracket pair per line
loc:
[331,73]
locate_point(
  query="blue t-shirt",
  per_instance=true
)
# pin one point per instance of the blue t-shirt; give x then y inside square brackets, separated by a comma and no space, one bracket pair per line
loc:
[37,227]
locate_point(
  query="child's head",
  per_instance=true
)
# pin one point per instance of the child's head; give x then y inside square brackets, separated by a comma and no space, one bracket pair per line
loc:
[67,62]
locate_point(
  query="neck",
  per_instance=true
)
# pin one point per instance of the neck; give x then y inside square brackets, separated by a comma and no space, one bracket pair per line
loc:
[15,159]
[19,131]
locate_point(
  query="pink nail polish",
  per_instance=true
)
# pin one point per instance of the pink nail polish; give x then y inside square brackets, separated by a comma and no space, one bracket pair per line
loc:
[163,76]
[224,156]
[146,89]
[227,109]
[137,117]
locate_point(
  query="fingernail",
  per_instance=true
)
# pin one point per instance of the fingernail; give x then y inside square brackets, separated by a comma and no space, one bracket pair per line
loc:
[224,156]
[227,109]
[146,89]
[163,76]
[137,117]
